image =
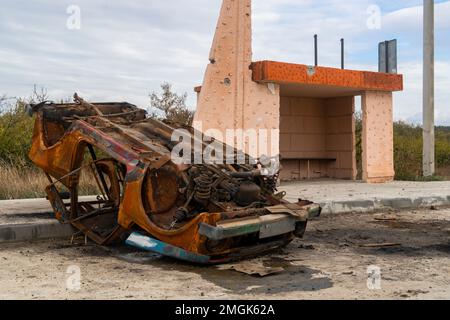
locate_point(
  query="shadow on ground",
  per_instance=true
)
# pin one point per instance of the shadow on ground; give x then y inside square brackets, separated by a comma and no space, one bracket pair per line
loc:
[324,238]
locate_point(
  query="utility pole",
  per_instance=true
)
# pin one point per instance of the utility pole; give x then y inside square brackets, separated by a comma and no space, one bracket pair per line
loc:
[429,167]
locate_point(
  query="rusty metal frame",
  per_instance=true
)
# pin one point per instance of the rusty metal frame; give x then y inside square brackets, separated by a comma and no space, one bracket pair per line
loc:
[151,183]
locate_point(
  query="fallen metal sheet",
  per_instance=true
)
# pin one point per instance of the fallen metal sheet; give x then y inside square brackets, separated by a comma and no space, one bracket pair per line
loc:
[254,267]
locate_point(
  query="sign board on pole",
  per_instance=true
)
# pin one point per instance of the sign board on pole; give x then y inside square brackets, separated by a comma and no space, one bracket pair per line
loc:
[387,56]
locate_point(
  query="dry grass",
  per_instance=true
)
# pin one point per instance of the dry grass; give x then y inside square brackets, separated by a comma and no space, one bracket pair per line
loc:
[27,183]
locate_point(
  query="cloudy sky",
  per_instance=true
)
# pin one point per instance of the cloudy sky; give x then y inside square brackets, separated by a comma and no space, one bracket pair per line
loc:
[125,49]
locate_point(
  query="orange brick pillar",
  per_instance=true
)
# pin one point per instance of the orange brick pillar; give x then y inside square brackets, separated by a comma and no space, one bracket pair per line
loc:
[377,137]
[229,98]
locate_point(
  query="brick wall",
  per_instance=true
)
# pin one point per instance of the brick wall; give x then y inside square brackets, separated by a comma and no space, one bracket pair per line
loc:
[317,128]
[340,141]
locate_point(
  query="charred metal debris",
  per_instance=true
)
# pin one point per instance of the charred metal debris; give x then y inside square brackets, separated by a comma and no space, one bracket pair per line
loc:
[200,213]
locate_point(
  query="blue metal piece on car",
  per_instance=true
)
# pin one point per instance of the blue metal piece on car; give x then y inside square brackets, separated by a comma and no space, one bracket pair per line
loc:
[140,241]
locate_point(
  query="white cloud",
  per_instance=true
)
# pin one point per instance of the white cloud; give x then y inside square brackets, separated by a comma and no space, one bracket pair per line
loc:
[411,18]
[125,49]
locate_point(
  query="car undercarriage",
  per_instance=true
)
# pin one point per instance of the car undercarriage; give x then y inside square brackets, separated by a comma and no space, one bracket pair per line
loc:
[204,213]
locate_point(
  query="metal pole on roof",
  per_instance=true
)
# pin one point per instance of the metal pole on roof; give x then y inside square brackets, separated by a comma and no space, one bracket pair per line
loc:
[429,167]
[316,55]
[342,53]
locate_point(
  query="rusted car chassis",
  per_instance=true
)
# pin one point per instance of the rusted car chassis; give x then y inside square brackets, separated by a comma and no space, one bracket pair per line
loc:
[200,213]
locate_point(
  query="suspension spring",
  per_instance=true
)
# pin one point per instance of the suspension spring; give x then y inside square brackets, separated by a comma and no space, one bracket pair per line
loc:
[203,188]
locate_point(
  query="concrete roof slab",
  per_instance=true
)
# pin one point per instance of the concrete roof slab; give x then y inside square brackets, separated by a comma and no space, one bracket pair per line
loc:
[298,79]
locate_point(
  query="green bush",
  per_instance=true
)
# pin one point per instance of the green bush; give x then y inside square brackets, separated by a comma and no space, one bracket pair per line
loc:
[16,129]
[170,106]
[407,151]
[443,146]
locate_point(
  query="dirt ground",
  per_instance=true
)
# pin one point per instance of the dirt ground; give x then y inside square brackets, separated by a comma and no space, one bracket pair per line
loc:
[331,262]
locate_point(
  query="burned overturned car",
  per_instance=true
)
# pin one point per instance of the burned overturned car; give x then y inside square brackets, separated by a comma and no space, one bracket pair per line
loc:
[203,213]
